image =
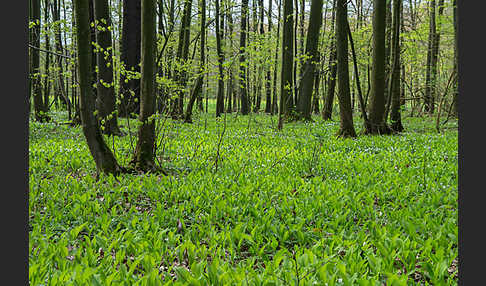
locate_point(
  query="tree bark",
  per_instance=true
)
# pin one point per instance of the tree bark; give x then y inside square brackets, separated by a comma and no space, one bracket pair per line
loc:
[105,101]
[102,155]
[39,105]
[144,157]
[274,91]
[130,57]
[395,117]
[219,53]
[377,124]
[245,106]
[345,113]
[456,62]
[310,60]
[286,83]
[197,90]
[331,79]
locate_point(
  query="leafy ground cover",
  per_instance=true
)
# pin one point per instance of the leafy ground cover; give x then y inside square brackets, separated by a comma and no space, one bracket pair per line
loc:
[295,207]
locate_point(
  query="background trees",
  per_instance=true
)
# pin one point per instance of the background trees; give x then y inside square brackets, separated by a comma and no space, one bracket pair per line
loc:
[191,65]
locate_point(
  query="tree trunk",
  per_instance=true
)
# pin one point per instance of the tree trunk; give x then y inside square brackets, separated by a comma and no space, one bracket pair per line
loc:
[456,62]
[286,83]
[331,79]
[197,90]
[230,87]
[274,91]
[396,121]
[102,155]
[377,124]
[245,108]
[105,102]
[428,97]
[268,82]
[310,60]
[39,105]
[144,157]
[130,57]
[220,56]
[345,113]
[47,81]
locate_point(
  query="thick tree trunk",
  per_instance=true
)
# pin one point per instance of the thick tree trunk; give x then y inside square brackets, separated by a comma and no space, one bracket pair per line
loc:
[311,59]
[144,157]
[130,57]
[105,101]
[103,157]
[377,124]
[286,83]
[345,113]
[245,106]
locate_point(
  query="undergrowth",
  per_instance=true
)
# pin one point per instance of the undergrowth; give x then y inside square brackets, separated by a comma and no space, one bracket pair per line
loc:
[295,207]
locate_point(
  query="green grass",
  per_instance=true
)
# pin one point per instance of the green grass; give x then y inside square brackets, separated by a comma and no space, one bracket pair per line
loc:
[296,207]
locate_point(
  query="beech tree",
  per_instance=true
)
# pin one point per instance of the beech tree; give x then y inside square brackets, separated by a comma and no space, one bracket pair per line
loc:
[144,157]
[39,106]
[103,157]
[376,123]
[130,58]
[219,53]
[286,83]
[245,105]
[396,121]
[310,60]
[105,101]
[345,113]
[331,79]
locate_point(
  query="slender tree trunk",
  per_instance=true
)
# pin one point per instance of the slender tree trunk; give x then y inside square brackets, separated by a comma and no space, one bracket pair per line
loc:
[47,81]
[428,97]
[102,155]
[130,58]
[376,122]
[331,79]
[286,83]
[220,94]
[311,59]
[268,82]
[144,157]
[434,57]
[197,90]
[105,102]
[274,91]
[259,63]
[59,49]
[39,106]
[345,113]
[396,121]
[245,108]
[456,62]
[388,36]
[230,87]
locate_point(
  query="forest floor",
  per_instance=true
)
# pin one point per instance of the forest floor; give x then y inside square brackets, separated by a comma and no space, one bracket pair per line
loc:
[295,207]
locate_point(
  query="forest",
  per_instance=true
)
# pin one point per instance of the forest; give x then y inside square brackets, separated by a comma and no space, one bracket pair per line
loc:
[243,142]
